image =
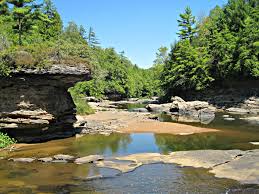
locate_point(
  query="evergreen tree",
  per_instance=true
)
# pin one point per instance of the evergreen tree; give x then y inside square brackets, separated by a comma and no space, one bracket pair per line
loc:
[82,32]
[187,24]
[22,13]
[92,40]
[187,69]
[51,26]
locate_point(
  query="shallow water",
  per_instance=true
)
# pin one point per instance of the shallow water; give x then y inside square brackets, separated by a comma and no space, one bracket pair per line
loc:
[158,178]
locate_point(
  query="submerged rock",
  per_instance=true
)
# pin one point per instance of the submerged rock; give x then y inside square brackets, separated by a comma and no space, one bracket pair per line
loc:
[252,120]
[229,119]
[37,105]
[237,111]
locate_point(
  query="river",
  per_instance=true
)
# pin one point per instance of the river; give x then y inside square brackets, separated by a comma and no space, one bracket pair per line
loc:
[155,178]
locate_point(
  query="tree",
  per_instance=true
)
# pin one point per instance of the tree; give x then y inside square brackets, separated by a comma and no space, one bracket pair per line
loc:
[73,33]
[22,14]
[186,70]
[187,24]
[50,23]
[161,56]
[92,40]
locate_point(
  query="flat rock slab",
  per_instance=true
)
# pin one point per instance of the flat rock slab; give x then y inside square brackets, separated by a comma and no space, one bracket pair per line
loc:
[88,159]
[25,160]
[118,165]
[242,166]
[64,157]
[203,158]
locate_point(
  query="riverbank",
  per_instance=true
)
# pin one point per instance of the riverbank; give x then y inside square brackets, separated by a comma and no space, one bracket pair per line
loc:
[133,122]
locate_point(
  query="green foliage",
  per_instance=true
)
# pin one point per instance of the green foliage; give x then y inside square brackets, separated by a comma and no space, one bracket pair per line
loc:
[116,77]
[187,24]
[223,47]
[92,40]
[5,140]
[82,107]
[187,69]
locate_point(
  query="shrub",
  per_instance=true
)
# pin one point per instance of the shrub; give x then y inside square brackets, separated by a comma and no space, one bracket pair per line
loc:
[5,140]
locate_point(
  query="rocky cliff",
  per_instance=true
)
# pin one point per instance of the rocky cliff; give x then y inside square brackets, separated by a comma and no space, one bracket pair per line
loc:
[35,105]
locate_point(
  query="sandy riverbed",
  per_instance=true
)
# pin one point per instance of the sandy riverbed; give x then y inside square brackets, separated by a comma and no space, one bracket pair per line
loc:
[140,123]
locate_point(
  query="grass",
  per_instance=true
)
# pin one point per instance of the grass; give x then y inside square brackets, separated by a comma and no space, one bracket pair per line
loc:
[6,141]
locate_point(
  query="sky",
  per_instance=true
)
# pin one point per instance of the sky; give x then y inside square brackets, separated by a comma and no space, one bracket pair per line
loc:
[137,27]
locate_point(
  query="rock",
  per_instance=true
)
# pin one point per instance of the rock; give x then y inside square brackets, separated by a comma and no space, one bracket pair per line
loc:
[244,169]
[254,143]
[88,159]
[229,119]
[242,166]
[25,160]
[206,115]
[177,99]
[124,167]
[47,159]
[59,161]
[94,177]
[193,111]
[147,101]
[139,110]
[98,127]
[159,108]
[37,105]
[91,99]
[226,116]
[252,120]
[237,111]
[64,157]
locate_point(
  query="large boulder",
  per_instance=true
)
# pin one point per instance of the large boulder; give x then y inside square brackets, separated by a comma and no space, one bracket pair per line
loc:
[159,108]
[193,111]
[36,105]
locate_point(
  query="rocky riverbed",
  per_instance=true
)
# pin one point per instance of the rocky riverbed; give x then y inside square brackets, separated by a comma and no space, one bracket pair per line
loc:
[242,166]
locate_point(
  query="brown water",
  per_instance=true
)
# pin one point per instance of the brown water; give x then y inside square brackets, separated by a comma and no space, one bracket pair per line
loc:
[158,178]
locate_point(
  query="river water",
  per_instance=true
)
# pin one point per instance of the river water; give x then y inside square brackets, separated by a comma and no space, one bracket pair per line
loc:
[156,178]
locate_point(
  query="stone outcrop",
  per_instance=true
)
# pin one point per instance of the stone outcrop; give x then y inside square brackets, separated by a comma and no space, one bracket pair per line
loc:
[35,105]
[182,111]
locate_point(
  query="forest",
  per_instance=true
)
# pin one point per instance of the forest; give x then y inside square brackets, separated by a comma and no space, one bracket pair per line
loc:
[211,50]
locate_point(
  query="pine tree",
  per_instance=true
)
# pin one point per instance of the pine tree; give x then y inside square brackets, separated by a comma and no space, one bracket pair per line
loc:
[187,23]
[187,69]
[22,13]
[92,40]
[52,25]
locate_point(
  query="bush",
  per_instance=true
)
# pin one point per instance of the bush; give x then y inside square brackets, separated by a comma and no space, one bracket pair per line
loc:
[5,140]
[82,107]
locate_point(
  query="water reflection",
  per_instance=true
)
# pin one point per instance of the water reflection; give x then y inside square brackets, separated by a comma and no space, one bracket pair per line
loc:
[71,178]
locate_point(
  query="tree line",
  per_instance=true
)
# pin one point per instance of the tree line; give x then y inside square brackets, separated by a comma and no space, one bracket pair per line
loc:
[220,48]
[32,35]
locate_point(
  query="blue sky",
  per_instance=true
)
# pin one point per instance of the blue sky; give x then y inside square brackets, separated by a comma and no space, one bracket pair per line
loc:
[138,27]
